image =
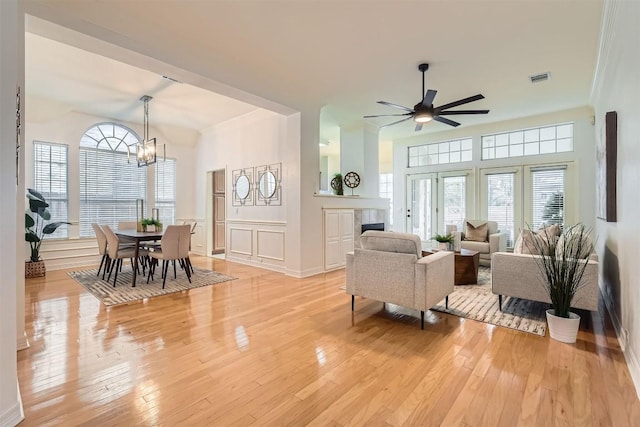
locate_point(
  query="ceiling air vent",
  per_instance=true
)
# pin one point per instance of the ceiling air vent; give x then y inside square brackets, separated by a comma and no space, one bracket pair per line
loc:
[537,78]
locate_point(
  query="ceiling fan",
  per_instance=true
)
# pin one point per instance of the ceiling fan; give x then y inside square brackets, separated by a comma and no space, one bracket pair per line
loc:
[424,111]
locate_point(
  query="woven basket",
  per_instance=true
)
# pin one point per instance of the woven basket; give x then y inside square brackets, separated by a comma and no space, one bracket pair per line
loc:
[34,269]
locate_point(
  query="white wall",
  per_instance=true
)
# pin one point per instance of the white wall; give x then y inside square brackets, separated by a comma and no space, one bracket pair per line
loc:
[11,284]
[255,233]
[251,140]
[617,88]
[67,127]
[583,157]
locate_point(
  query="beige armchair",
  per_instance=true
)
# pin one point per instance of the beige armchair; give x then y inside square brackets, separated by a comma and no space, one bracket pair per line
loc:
[492,241]
[390,268]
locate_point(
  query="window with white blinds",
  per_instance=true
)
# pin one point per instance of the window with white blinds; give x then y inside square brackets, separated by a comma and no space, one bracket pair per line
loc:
[166,190]
[386,192]
[500,203]
[51,180]
[454,194]
[110,179]
[547,196]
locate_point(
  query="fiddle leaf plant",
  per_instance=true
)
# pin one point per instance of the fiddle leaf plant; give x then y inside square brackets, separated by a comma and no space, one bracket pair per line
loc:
[36,222]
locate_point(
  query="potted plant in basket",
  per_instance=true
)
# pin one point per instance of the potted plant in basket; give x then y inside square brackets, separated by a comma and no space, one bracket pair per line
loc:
[445,241]
[563,265]
[36,227]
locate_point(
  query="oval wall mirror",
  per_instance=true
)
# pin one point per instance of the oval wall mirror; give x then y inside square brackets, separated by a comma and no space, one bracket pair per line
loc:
[267,185]
[242,187]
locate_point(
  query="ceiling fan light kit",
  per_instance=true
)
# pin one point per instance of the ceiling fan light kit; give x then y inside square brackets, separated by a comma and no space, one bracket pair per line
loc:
[422,117]
[424,111]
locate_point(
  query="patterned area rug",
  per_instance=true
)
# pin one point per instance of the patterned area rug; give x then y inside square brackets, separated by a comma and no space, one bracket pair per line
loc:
[477,302]
[124,293]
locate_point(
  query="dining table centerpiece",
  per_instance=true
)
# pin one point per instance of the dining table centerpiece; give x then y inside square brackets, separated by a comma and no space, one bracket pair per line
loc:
[146,222]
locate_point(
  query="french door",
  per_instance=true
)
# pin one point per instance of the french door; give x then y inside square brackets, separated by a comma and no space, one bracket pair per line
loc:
[422,209]
[527,196]
[435,201]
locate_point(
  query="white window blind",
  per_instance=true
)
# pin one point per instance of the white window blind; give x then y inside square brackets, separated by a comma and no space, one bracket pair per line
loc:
[454,200]
[500,203]
[166,190]
[50,180]
[110,180]
[547,193]
[386,192]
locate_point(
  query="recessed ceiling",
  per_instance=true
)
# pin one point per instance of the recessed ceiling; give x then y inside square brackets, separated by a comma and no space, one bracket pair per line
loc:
[344,56]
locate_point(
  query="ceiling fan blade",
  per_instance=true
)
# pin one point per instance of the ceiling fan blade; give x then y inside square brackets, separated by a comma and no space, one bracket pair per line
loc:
[395,106]
[428,97]
[460,102]
[418,127]
[388,115]
[451,113]
[395,123]
[446,121]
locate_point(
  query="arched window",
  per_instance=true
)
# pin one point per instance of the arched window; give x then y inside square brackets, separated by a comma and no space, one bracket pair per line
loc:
[110,179]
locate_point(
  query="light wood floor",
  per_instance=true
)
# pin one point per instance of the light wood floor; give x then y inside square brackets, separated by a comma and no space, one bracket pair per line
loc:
[267,349]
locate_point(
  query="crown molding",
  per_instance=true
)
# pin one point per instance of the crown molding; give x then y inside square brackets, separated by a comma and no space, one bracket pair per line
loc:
[607,29]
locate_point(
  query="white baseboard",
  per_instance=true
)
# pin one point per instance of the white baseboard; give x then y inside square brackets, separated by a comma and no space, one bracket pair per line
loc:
[13,415]
[629,355]
[301,274]
[64,263]
[23,342]
[253,263]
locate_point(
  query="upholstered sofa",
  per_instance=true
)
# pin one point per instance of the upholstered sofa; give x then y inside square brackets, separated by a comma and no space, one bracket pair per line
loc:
[518,275]
[493,241]
[390,267]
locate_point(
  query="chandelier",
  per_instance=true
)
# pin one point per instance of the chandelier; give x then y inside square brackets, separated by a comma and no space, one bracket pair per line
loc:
[146,150]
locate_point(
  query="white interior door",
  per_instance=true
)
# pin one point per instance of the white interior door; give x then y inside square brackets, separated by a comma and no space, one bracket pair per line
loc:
[422,212]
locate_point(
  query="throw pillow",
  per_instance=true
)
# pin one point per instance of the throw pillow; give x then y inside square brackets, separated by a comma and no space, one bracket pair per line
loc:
[549,235]
[528,244]
[517,248]
[475,233]
[568,238]
[550,230]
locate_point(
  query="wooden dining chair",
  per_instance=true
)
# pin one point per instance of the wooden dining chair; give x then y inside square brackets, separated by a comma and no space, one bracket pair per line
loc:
[170,251]
[116,253]
[102,246]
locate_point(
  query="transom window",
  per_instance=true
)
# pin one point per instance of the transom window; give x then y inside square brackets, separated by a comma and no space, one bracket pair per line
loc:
[440,153]
[110,179]
[528,142]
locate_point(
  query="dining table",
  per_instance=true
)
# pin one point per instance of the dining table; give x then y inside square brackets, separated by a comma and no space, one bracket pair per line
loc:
[137,237]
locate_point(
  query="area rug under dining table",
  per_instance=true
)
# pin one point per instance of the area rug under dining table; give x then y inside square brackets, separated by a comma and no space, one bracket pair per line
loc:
[477,302]
[124,293]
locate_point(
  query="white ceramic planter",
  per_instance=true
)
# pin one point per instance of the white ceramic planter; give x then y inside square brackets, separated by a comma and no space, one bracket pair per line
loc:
[563,329]
[443,246]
